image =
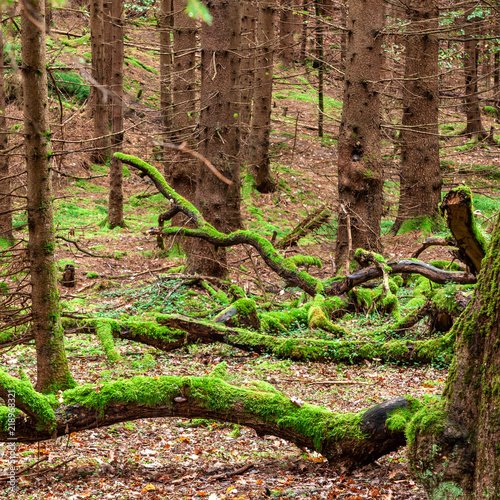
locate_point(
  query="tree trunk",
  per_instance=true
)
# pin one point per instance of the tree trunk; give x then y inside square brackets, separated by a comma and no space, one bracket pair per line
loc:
[454,446]
[258,162]
[344,8]
[115,211]
[100,94]
[303,32]
[219,132]
[359,165]
[5,185]
[474,126]
[183,167]
[164,22]
[247,67]
[287,30]
[320,12]
[420,187]
[52,367]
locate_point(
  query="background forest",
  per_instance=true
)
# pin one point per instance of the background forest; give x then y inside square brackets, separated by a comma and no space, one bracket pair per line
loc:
[239,248]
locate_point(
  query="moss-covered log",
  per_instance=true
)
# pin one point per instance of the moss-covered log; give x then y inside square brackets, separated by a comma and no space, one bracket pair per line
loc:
[145,332]
[313,349]
[286,268]
[347,440]
[457,205]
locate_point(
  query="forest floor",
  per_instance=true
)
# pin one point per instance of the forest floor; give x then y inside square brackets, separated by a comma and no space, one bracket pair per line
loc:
[177,459]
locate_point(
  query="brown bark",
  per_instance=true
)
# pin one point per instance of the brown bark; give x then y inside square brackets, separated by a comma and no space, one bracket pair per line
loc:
[247,69]
[164,22]
[182,169]
[287,30]
[115,210]
[360,177]
[460,446]
[473,113]
[303,32]
[420,186]
[52,368]
[5,185]
[99,93]
[258,160]
[320,12]
[457,206]
[219,132]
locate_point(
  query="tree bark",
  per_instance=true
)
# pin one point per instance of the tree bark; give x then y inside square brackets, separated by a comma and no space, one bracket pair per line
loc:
[420,186]
[115,210]
[5,184]
[100,94]
[247,67]
[457,440]
[473,113]
[219,132]
[458,208]
[52,367]
[164,25]
[258,162]
[287,30]
[183,168]
[320,63]
[360,176]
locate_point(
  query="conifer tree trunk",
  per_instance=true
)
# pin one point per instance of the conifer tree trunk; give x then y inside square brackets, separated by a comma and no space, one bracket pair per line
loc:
[52,367]
[247,69]
[454,446]
[164,21]
[287,30]
[320,11]
[359,165]
[5,199]
[420,187]
[471,55]
[182,173]
[115,210]
[258,161]
[99,95]
[219,132]
[303,32]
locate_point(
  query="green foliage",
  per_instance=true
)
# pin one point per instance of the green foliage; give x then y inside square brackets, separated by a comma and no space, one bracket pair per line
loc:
[198,10]
[70,85]
[490,111]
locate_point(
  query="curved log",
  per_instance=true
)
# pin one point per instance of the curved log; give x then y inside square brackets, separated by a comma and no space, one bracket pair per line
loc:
[346,440]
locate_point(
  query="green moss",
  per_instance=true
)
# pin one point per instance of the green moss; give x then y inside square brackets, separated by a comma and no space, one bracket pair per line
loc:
[429,419]
[104,331]
[25,394]
[220,371]
[424,223]
[245,307]
[490,111]
[399,418]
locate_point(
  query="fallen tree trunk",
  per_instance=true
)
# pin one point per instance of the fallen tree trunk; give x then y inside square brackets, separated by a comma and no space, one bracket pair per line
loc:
[347,440]
[286,268]
[457,205]
[313,221]
[313,349]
